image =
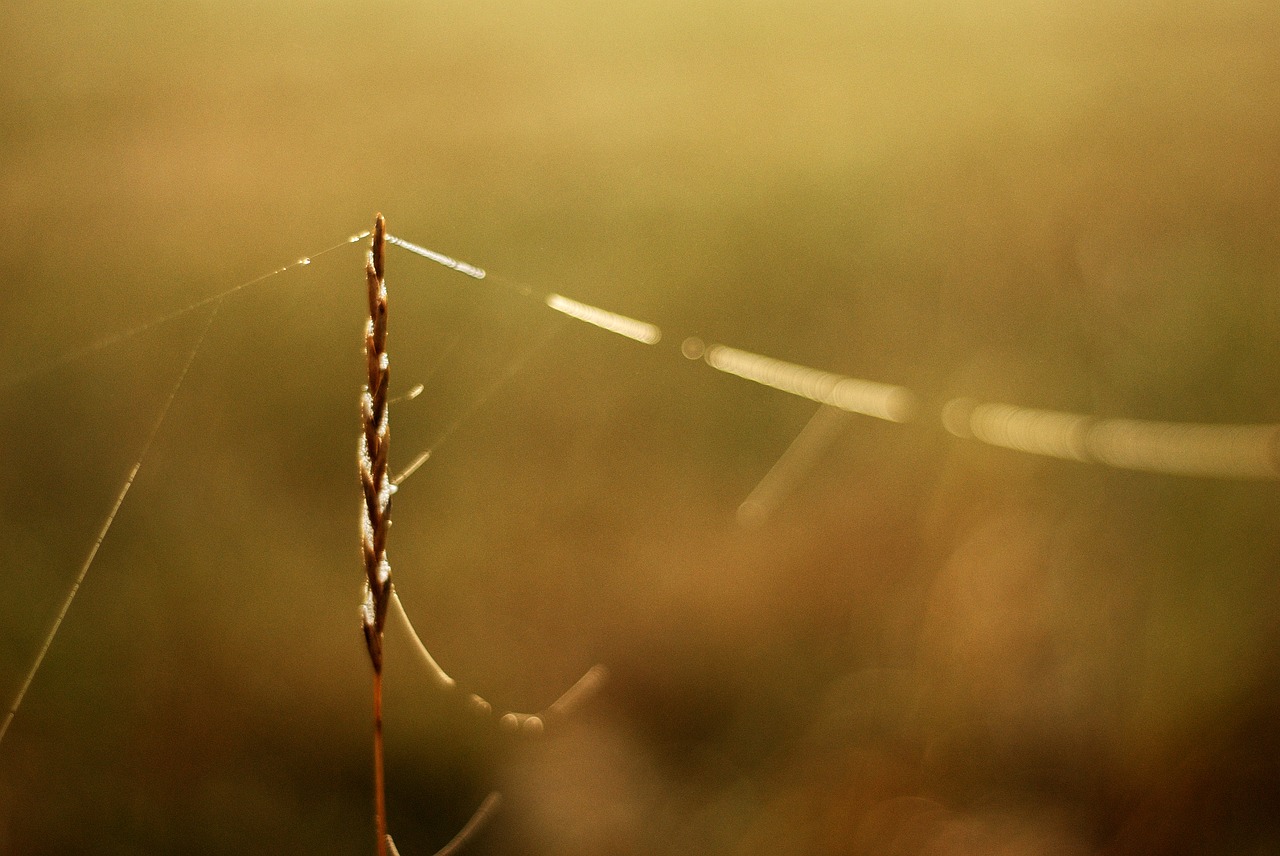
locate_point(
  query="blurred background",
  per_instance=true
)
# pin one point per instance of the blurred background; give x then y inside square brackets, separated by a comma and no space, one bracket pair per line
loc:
[930,647]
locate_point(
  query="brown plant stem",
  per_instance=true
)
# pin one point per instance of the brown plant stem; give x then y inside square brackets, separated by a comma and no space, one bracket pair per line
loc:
[380,595]
[379,777]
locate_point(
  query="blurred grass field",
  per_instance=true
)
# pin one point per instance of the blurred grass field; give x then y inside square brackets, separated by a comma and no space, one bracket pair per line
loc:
[933,647]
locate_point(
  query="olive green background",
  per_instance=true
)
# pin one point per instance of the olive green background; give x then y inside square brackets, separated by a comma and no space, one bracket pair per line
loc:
[931,647]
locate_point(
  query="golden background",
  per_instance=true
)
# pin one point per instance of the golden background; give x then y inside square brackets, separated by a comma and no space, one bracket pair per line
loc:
[932,647]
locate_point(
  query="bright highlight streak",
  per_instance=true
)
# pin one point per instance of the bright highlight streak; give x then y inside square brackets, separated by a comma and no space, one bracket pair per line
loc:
[408,396]
[641,331]
[1038,432]
[438,258]
[881,400]
[1228,451]
[411,469]
[1173,448]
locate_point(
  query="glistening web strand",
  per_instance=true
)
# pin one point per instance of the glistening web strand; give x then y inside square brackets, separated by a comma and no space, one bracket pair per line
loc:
[1185,449]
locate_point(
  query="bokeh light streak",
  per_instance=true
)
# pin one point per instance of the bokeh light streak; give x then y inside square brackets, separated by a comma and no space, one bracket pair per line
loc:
[870,398]
[640,331]
[1173,448]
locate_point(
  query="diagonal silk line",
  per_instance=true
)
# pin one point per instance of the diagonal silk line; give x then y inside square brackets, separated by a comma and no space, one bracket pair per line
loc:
[106,524]
[138,329]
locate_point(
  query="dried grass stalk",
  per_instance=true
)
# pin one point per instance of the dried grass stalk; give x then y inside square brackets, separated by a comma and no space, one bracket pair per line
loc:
[379,595]
[375,521]
[374,447]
